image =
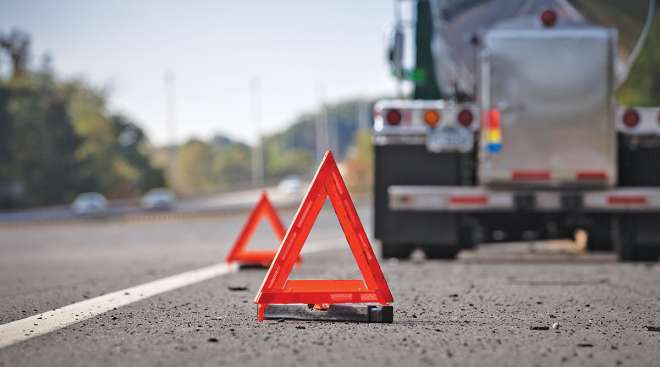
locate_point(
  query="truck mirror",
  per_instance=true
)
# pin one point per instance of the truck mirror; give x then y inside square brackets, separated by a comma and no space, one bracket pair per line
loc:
[395,51]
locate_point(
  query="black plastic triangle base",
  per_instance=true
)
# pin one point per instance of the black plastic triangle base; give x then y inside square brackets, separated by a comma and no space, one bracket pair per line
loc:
[337,312]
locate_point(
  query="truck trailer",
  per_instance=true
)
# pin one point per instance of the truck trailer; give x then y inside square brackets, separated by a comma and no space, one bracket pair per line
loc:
[527,141]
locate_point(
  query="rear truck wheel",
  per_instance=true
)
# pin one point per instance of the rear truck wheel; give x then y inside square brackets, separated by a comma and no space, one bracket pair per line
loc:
[396,250]
[470,233]
[600,236]
[441,252]
[638,237]
[399,231]
[599,240]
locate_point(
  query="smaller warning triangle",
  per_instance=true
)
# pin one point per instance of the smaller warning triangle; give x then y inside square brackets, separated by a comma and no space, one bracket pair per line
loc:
[278,289]
[238,253]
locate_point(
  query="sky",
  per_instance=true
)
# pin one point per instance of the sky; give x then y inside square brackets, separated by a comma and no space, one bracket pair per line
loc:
[299,52]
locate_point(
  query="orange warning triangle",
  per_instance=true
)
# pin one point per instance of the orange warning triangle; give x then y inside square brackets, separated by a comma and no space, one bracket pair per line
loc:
[278,289]
[256,257]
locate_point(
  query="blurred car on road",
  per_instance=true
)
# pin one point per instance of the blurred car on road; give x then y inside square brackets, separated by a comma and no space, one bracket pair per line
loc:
[290,185]
[90,204]
[159,199]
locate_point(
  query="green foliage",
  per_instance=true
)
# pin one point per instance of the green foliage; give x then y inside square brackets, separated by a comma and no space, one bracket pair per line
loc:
[282,160]
[343,120]
[201,167]
[359,163]
[643,85]
[41,145]
[58,139]
[193,168]
[232,164]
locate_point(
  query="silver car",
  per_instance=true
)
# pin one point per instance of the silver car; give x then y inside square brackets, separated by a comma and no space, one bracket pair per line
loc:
[90,204]
[159,199]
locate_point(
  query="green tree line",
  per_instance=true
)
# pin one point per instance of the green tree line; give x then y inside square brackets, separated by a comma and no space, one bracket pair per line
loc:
[58,138]
[642,88]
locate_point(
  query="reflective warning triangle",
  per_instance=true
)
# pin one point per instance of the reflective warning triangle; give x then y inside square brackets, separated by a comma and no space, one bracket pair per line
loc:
[239,254]
[278,289]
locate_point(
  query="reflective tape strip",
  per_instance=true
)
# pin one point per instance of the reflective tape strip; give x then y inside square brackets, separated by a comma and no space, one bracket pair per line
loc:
[494,147]
[530,175]
[493,136]
[468,199]
[591,176]
[447,198]
[476,199]
[624,199]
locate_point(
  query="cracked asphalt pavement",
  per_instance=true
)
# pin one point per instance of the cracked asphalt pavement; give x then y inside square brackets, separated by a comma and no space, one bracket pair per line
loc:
[509,305]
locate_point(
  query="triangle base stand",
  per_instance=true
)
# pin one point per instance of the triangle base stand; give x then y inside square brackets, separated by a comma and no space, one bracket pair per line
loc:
[334,312]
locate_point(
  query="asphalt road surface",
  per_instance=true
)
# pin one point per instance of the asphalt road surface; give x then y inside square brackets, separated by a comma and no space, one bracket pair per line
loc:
[527,304]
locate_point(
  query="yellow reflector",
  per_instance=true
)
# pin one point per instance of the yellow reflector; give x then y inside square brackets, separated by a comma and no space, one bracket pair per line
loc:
[493,135]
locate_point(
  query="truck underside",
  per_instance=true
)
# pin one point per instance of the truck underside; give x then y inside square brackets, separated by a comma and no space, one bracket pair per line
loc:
[410,214]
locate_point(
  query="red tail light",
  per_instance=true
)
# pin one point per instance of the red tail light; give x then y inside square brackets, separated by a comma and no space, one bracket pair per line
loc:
[465,118]
[658,118]
[631,118]
[393,117]
[548,18]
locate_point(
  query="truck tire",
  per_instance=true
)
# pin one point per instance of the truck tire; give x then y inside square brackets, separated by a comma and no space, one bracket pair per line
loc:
[628,247]
[396,250]
[600,235]
[470,234]
[599,240]
[441,252]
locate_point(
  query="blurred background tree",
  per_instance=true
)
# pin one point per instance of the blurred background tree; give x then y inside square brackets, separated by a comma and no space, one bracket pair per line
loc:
[643,85]
[58,139]
[358,165]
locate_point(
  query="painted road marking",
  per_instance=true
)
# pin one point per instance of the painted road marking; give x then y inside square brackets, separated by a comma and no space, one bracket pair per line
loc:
[49,321]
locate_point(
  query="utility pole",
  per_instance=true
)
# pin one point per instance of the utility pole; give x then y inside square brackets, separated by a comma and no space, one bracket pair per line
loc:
[170,107]
[257,149]
[322,140]
[398,25]
[363,116]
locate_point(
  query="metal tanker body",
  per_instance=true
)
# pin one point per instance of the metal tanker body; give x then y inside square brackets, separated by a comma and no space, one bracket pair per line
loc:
[526,140]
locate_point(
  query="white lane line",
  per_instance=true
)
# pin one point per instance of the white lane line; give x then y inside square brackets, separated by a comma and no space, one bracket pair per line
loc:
[49,321]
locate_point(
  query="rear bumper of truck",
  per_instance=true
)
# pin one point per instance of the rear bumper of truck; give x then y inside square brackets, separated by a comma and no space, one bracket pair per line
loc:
[480,199]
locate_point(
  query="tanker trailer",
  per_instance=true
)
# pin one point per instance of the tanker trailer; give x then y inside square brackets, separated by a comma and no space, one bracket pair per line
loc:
[526,141]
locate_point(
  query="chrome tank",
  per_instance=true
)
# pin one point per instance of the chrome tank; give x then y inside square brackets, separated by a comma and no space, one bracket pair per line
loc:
[553,89]
[460,25]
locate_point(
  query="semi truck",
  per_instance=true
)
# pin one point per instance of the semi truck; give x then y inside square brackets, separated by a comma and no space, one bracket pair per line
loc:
[526,141]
